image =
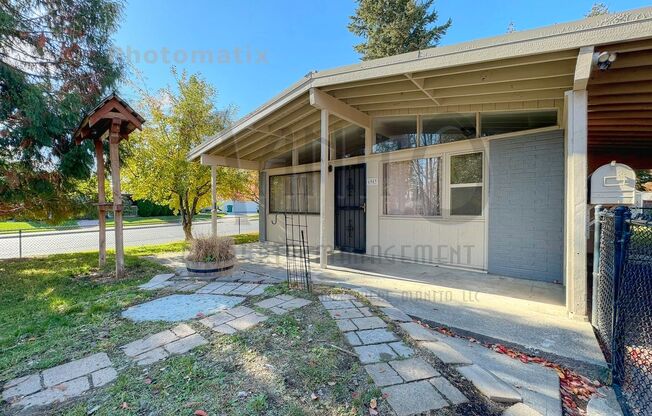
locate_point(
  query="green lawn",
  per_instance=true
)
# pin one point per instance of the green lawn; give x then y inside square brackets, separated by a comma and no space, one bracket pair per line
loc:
[32,226]
[59,308]
[27,226]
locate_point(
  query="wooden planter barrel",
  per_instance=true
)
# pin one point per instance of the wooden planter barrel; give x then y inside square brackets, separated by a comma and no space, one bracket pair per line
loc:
[212,270]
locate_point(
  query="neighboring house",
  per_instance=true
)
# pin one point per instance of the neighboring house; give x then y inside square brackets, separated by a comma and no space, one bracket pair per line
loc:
[239,207]
[473,155]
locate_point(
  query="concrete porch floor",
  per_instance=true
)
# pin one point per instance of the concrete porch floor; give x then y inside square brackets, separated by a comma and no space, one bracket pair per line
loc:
[527,313]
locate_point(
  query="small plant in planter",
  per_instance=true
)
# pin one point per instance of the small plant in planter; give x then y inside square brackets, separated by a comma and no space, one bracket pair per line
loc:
[211,257]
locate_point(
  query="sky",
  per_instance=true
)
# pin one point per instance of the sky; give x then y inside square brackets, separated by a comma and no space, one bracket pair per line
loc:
[252,50]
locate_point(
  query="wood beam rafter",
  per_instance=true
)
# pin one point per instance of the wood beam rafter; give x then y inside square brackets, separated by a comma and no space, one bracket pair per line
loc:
[323,101]
[213,160]
[583,68]
[419,83]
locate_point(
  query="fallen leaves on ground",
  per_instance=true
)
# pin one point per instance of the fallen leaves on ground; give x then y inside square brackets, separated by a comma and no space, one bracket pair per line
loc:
[574,388]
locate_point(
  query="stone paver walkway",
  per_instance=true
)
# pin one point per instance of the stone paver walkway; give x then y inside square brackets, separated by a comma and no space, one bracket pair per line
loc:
[240,283]
[233,320]
[500,378]
[175,308]
[410,384]
[178,340]
[234,288]
[283,304]
[60,383]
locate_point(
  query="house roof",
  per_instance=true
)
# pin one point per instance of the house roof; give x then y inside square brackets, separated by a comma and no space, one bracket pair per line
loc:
[527,69]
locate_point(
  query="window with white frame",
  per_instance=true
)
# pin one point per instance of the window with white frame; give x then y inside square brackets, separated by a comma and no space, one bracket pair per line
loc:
[294,193]
[466,184]
[412,187]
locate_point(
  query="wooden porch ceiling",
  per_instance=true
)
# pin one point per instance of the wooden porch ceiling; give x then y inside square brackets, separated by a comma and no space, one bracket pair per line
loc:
[620,100]
[536,81]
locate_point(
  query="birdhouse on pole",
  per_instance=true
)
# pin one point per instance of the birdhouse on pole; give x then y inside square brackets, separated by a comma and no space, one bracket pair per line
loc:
[112,120]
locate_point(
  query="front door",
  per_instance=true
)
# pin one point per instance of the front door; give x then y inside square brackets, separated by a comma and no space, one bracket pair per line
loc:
[350,208]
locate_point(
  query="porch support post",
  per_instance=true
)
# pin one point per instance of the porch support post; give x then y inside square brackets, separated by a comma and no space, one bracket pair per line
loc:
[101,199]
[213,200]
[114,142]
[323,188]
[576,204]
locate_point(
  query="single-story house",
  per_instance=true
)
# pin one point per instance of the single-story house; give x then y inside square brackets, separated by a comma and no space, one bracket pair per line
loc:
[239,207]
[474,155]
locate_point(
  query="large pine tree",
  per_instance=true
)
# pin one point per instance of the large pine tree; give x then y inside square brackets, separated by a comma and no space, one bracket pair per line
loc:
[391,27]
[56,62]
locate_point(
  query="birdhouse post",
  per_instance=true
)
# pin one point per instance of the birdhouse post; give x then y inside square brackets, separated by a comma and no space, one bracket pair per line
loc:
[114,120]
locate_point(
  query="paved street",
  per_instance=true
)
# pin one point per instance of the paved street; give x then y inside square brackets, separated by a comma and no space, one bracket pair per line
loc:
[36,244]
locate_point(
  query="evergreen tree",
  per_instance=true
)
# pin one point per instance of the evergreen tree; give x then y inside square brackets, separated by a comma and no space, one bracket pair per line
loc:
[55,64]
[391,27]
[598,9]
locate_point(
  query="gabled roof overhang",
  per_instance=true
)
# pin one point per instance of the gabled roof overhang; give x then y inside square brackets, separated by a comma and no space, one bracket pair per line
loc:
[529,69]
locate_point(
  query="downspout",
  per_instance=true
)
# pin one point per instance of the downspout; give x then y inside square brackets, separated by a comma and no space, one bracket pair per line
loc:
[596,264]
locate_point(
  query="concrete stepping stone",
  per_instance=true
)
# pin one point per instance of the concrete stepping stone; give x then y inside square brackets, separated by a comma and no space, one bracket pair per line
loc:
[75,369]
[418,332]
[349,313]
[225,288]
[376,336]
[353,339]
[336,297]
[520,409]
[247,321]
[445,353]
[490,385]
[294,304]
[414,369]
[178,340]
[179,307]
[233,320]
[60,383]
[537,385]
[338,304]
[369,354]
[372,322]
[396,315]
[239,311]
[184,345]
[413,398]
[345,325]
[283,303]
[157,282]
[210,287]
[383,375]
[269,303]
[243,289]
[449,391]
[366,311]
[401,349]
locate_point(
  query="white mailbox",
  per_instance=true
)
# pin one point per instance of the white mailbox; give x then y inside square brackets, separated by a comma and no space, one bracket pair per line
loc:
[613,184]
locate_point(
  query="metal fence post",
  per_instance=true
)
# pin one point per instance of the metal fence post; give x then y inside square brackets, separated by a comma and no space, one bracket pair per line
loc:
[20,244]
[622,215]
[239,226]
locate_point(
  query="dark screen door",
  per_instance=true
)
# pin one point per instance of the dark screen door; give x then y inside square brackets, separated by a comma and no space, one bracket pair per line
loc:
[350,208]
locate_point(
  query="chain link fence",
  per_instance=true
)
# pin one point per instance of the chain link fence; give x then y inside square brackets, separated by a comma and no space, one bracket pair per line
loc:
[71,238]
[624,321]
